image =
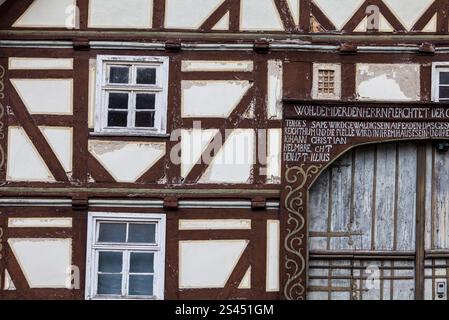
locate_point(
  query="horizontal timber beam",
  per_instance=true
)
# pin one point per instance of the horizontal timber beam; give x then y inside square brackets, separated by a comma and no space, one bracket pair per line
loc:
[136,203]
[136,192]
[157,46]
[217,36]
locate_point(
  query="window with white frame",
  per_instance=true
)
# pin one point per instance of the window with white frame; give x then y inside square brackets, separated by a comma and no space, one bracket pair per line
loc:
[440,81]
[131,95]
[326,81]
[125,256]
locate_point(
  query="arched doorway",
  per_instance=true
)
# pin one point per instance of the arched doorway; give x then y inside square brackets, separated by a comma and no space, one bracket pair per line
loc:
[379,225]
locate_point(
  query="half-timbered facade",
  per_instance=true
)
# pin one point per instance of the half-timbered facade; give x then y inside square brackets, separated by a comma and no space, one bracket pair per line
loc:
[224,149]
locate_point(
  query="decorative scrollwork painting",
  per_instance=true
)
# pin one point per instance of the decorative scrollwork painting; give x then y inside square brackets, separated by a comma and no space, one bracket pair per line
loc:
[297,179]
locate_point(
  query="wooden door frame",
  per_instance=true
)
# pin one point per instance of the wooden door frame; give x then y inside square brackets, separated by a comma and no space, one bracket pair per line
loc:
[299,172]
[420,221]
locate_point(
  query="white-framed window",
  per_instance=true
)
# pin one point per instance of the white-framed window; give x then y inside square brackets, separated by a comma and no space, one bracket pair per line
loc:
[326,81]
[132,94]
[125,256]
[440,81]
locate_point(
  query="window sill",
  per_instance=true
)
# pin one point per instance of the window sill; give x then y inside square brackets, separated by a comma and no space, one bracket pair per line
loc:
[125,298]
[129,134]
[330,98]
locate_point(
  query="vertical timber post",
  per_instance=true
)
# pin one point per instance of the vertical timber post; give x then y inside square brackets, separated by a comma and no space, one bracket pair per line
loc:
[420,222]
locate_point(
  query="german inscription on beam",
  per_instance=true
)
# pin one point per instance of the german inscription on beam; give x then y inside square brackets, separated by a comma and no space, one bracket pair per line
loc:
[316,132]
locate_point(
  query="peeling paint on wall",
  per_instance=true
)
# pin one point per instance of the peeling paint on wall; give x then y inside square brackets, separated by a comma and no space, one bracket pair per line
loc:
[388,82]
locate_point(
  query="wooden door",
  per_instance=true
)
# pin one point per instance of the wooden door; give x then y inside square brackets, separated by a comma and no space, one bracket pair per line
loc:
[379,223]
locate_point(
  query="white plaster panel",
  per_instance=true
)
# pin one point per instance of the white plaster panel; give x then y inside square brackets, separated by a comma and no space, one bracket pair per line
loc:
[431,26]
[294,9]
[60,140]
[388,82]
[408,12]
[193,143]
[40,222]
[2,2]
[259,15]
[275,93]
[274,146]
[48,13]
[223,23]
[273,245]
[234,162]
[339,12]
[8,284]
[246,280]
[362,26]
[46,263]
[215,224]
[24,161]
[121,14]
[208,264]
[199,98]
[203,65]
[126,161]
[40,64]
[384,25]
[189,14]
[46,96]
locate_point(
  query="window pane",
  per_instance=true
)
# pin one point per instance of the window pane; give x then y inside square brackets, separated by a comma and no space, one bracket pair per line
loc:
[145,119]
[145,101]
[112,232]
[142,233]
[118,100]
[117,119]
[444,77]
[118,75]
[110,262]
[141,262]
[444,92]
[109,284]
[146,76]
[140,285]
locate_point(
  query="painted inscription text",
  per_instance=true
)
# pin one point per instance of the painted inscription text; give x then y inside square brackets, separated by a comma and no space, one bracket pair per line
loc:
[312,132]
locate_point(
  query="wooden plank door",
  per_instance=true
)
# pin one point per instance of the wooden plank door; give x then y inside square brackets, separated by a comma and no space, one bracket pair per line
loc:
[362,225]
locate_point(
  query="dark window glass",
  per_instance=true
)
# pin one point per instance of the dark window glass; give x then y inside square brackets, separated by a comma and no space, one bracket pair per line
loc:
[146,76]
[145,119]
[444,77]
[141,262]
[117,119]
[109,284]
[118,100]
[140,285]
[444,92]
[145,101]
[119,75]
[110,262]
[112,232]
[142,233]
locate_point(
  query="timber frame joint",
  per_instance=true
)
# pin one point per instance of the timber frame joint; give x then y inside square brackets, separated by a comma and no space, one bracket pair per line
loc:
[347,48]
[80,203]
[427,48]
[258,203]
[81,44]
[261,46]
[173,46]
[171,203]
